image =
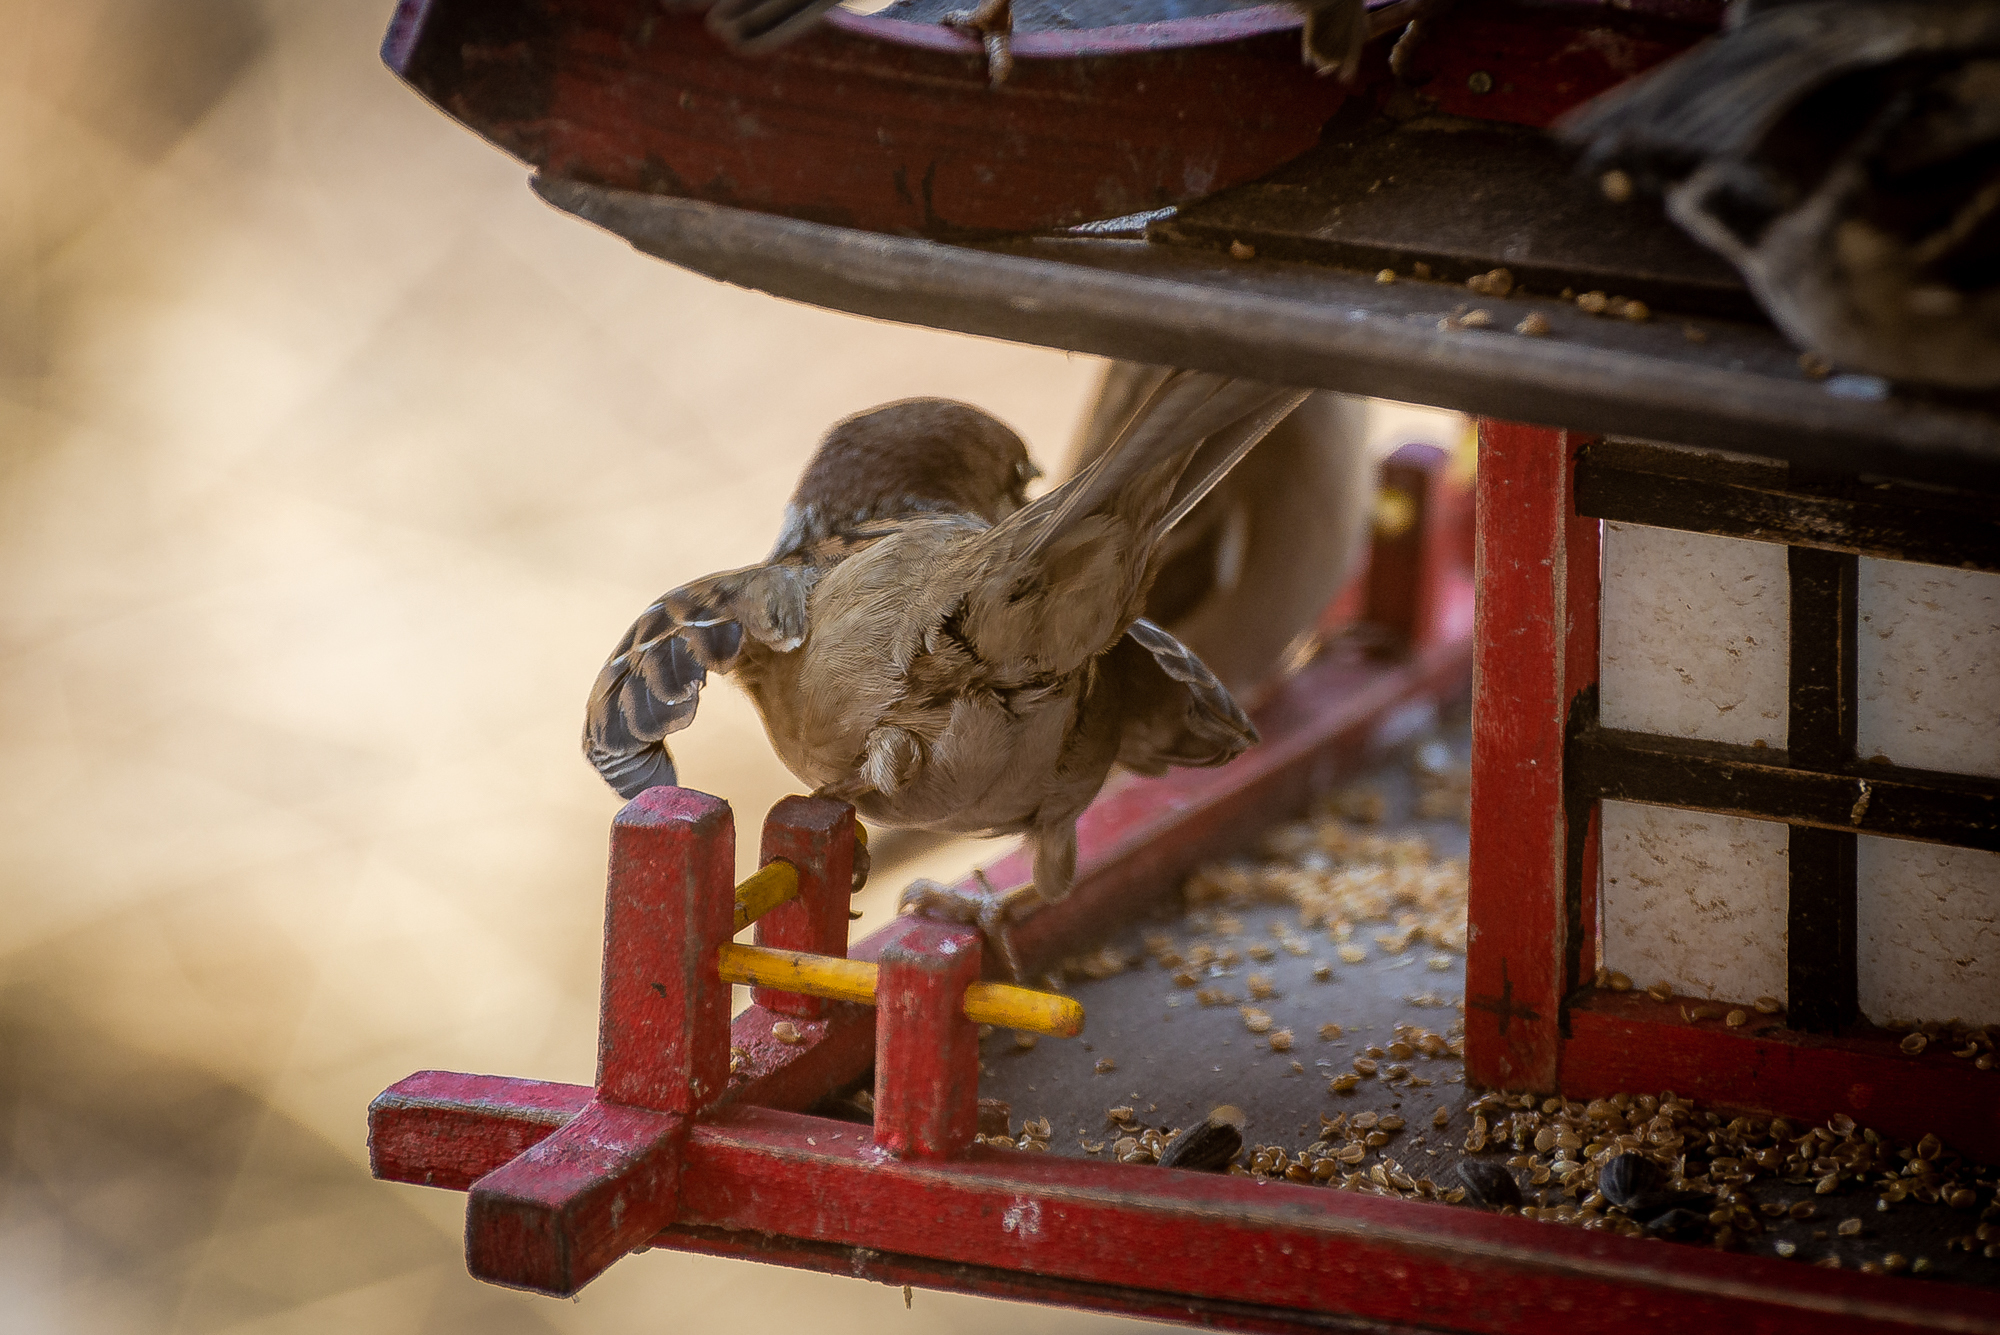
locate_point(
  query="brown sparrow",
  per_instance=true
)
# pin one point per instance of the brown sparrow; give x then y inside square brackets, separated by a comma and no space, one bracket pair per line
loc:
[929,645]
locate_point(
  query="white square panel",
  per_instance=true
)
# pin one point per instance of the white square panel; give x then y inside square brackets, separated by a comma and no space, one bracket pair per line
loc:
[1927,931]
[1696,900]
[1928,667]
[1695,638]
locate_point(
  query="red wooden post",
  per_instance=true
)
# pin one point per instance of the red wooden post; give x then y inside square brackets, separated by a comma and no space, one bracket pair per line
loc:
[554,1217]
[1408,546]
[816,836]
[926,1051]
[1535,654]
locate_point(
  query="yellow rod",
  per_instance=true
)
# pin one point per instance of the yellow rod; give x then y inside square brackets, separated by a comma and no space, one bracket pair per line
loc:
[1005,1006]
[773,884]
[1002,1005]
[796,971]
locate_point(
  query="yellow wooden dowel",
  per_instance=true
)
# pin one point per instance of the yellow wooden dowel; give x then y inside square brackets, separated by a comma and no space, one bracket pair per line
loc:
[796,971]
[999,1004]
[773,884]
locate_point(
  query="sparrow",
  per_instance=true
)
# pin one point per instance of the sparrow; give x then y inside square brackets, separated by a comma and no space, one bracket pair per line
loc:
[1245,579]
[929,645]
[1844,155]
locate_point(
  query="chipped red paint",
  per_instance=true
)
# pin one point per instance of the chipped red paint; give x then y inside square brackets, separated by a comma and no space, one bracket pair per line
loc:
[926,1051]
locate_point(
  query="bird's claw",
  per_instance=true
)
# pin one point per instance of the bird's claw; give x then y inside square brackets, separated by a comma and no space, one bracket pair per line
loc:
[992,912]
[992,23]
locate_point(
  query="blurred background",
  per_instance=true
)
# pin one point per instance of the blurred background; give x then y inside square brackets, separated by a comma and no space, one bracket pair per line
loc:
[331,464]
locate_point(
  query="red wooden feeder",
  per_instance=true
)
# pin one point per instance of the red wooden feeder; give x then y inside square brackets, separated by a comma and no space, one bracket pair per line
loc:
[870,139]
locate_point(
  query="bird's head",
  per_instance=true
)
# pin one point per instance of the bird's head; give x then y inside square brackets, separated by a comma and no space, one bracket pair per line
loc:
[914,456]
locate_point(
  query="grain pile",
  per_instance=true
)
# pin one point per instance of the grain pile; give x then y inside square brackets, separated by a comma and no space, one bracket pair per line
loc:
[1355,897]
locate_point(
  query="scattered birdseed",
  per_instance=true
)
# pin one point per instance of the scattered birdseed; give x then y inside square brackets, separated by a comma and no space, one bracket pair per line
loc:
[1105,1066]
[1353,954]
[1616,185]
[1240,250]
[788,1033]
[1814,365]
[1593,302]
[1492,283]
[1661,991]
[1769,1005]
[1385,275]
[1849,1227]
[1913,1044]
[1281,1041]
[1534,324]
[1736,1019]
[1023,1040]
[1475,319]
[1694,334]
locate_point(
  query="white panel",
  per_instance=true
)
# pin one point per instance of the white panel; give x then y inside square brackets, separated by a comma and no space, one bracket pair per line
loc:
[1928,931]
[1695,900]
[1928,667]
[1696,638]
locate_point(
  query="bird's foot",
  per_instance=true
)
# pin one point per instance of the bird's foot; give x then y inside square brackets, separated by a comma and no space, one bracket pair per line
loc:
[992,912]
[993,24]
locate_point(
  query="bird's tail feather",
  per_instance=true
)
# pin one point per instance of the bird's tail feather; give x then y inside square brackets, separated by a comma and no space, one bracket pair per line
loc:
[1158,443]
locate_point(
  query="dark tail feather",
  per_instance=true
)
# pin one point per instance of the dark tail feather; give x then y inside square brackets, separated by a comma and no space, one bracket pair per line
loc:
[648,690]
[632,773]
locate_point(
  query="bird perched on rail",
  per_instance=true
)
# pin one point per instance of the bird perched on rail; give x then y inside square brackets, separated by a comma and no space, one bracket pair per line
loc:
[929,645]
[1845,156]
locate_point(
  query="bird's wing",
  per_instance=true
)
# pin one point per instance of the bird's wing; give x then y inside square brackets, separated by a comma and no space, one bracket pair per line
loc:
[651,685]
[1181,440]
[1173,710]
[1058,582]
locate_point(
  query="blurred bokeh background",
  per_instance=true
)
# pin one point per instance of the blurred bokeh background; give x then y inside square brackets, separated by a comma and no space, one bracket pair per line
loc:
[331,463]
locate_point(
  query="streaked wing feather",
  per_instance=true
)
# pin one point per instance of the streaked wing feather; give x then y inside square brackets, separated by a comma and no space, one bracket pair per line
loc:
[651,687]
[1175,711]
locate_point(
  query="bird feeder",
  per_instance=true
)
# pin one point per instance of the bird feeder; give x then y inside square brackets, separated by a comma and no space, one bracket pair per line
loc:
[1735,786]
